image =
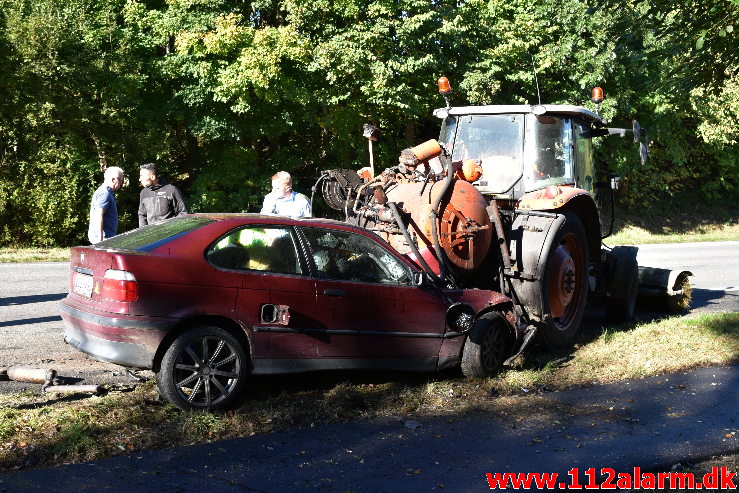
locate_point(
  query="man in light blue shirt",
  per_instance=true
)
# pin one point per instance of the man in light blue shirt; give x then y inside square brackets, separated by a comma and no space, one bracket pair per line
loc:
[283,201]
[103,209]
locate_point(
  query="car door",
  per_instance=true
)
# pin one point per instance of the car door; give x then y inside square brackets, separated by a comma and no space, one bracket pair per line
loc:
[276,298]
[370,293]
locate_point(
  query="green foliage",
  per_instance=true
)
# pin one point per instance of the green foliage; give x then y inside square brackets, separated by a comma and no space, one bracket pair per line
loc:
[223,93]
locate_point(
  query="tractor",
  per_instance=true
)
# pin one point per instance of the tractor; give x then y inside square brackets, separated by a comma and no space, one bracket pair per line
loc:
[508,198]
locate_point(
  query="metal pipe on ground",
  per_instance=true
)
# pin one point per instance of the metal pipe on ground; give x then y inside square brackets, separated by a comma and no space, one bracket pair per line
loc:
[95,389]
[31,375]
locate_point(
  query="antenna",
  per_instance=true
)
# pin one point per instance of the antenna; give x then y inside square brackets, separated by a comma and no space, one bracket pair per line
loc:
[533,66]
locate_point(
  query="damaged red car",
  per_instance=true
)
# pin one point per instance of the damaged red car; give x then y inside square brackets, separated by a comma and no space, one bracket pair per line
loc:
[208,300]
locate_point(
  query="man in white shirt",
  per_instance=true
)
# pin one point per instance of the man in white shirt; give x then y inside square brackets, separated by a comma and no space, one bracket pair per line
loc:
[283,201]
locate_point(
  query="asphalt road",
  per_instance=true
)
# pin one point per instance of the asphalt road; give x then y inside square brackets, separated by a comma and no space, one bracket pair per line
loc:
[32,329]
[33,332]
[715,268]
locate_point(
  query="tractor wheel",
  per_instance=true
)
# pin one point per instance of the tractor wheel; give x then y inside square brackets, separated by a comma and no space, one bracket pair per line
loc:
[623,284]
[564,287]
[487,346]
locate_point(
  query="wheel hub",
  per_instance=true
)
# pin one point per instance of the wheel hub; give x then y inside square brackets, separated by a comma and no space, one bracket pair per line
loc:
[562,282]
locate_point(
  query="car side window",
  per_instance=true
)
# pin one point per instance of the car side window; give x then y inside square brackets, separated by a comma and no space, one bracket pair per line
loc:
[347,256]
[262,248]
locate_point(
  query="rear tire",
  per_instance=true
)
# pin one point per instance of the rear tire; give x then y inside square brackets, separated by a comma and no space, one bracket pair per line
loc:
[564,287]
[487,346]
[623,284]
[205,368]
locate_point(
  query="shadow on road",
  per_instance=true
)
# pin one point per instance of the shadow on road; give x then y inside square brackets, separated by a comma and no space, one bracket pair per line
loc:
[27,300]
[707,297]
[29,321]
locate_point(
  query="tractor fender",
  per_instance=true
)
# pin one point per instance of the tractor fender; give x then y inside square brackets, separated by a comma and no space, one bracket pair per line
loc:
[570,198]
[550,198]
[530,239]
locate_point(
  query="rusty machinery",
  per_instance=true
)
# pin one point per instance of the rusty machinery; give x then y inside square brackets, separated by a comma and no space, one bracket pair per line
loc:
[508,198]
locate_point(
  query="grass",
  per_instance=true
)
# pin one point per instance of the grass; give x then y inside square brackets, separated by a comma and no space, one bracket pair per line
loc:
[15,255]
[675,226]
[37,429]
[636,235]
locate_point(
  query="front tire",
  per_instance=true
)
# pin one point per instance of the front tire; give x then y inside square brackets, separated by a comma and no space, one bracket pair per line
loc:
[205,368]
[487,346]
[565,284]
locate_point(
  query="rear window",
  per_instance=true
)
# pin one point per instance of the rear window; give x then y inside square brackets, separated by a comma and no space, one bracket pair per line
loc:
[153,236]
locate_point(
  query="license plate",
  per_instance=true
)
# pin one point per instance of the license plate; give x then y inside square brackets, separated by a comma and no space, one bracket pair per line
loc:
[83,284]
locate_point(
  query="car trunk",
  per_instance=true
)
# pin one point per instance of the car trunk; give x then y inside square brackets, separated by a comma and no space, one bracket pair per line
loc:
[88,266]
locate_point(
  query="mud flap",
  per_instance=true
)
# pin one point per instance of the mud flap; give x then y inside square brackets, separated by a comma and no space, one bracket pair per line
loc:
[530,239]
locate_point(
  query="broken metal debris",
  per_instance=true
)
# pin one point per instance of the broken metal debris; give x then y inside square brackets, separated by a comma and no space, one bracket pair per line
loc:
[47,377]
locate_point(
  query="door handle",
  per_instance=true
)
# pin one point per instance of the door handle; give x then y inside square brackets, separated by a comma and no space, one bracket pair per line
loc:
[334,292]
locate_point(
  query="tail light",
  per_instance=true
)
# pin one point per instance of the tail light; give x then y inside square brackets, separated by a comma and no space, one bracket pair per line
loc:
[119,285]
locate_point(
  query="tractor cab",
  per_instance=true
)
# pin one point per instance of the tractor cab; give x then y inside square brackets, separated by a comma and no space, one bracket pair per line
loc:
[520,149]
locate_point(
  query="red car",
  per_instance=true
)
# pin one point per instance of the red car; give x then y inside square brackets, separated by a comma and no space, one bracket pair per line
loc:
[206,300]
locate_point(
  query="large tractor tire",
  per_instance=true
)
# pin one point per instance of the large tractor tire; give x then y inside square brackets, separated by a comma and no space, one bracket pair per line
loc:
[564,286]
[623,284]
[487,347]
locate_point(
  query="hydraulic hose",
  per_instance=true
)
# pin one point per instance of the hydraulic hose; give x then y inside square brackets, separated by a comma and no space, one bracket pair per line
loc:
[434,215]
[501,237]
[409,240]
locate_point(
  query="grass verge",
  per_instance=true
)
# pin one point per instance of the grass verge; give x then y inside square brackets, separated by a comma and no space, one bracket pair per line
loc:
[675,225]
[636,235]
[16,255]
[37,430]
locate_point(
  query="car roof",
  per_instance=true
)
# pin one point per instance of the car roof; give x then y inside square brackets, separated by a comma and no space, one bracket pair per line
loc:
[251,217]
[254,218]
[507,109]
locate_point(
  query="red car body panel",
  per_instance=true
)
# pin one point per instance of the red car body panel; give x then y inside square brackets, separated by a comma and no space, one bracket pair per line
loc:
[332,323]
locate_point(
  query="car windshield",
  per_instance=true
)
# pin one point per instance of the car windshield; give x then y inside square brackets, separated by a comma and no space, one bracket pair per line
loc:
[152,236]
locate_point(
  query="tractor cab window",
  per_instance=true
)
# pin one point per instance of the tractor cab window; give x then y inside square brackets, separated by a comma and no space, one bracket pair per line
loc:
[584,165]
[548,152]
[262,248]
[347,256]
[494,141]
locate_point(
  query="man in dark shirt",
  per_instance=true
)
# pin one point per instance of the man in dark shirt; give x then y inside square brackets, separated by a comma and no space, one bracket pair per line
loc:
[159,199]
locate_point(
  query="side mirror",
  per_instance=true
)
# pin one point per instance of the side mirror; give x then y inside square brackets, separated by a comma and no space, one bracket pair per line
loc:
[641,137]
[419,278]
[613,181]
[644,147]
